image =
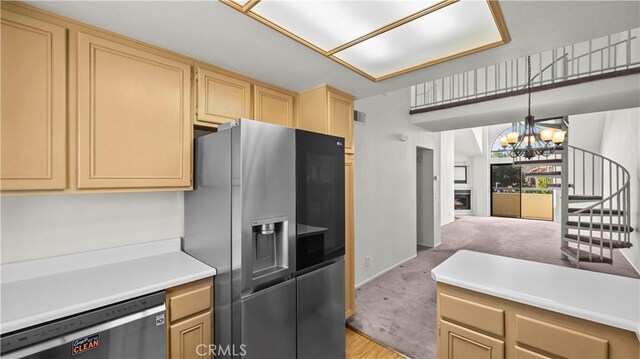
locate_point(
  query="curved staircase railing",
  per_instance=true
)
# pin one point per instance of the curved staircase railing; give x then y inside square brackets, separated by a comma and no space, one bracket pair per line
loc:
[597,218]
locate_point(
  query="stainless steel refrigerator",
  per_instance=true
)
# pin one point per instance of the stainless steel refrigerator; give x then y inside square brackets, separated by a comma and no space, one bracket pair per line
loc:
[242,218]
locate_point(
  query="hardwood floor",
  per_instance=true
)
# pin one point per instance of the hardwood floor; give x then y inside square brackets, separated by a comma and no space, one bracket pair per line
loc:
[361,347]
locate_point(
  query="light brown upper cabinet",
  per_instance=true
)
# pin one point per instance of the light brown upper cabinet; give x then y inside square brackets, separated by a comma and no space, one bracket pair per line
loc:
[273,106]
[33,125]
[134,124]
[341,118]
[327,110]
[221,98]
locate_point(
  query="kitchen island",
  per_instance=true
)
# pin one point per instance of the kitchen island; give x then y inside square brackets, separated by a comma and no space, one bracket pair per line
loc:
[497,307]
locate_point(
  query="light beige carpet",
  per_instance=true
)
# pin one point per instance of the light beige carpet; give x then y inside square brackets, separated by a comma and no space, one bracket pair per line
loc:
[398,308]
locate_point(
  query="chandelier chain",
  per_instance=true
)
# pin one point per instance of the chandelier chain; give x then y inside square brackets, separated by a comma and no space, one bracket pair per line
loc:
[530,143]
[529,83]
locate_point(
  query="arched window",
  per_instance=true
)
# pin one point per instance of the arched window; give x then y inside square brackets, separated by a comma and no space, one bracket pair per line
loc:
[496,150]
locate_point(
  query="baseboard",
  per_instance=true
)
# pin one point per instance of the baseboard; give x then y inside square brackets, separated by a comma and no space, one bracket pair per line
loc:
[630,263]
[426,246]
[385,271]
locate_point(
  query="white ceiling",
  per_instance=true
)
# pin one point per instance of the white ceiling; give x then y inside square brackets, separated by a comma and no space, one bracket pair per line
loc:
[216,33]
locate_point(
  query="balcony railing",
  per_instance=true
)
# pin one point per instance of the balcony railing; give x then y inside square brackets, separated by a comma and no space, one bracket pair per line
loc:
[603,55]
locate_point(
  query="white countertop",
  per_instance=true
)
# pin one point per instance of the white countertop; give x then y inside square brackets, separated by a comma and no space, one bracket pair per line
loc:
[38,291]
[598,297]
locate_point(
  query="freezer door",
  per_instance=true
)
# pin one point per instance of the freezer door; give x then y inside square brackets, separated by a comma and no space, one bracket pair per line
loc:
[140,335]
[269,323]
[321,326]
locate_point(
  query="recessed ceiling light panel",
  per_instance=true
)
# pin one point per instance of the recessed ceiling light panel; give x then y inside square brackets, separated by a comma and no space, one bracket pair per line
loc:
[329,24]
[382,39]
[457,28]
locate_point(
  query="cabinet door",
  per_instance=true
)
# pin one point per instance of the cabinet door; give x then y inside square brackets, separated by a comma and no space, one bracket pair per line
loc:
[273,106]
[552,338]
[522,353]
[312,115]
[456,342]
[341,119]
[221,98]
[33,125]
[134,128]
[350,299]
[189,299]
[191,338]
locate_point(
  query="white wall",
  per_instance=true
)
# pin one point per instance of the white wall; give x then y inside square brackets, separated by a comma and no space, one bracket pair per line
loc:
[51,225]
[447,159]
[621,143]
[585,131]
[385,183]
[481,172]
[475,154]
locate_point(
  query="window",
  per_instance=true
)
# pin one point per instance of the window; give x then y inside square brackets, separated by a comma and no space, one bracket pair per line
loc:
[460,174]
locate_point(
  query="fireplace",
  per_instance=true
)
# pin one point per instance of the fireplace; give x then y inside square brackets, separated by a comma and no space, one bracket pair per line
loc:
[462,200]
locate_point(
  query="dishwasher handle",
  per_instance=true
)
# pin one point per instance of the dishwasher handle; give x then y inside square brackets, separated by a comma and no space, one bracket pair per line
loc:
[63,339]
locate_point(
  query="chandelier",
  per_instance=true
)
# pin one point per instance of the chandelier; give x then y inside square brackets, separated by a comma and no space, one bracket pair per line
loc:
[532,141]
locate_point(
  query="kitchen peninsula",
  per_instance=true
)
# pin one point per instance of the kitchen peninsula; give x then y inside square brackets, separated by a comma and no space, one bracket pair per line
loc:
[497,307]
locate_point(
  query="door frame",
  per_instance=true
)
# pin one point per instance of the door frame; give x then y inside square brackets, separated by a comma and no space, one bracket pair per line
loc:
[425,180]
[522,177]
[491,182]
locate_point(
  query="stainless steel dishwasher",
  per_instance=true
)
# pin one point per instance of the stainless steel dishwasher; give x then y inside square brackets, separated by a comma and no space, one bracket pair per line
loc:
[132,329]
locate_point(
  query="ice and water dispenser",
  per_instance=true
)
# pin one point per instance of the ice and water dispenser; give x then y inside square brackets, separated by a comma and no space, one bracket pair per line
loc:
[270,248]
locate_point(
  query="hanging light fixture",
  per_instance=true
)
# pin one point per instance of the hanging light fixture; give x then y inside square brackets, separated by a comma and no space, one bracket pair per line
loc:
[525,140]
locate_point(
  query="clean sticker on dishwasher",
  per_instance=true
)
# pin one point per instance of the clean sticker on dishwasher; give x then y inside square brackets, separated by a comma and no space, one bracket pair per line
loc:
[85,344]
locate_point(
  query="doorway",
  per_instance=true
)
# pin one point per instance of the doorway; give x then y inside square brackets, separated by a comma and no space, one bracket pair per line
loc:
[516,195]
[427,230]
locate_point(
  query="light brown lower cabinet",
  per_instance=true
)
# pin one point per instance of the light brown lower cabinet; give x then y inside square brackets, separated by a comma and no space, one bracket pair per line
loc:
[461,343]
[190,320]
[191,337]
[476,325]
[522,353]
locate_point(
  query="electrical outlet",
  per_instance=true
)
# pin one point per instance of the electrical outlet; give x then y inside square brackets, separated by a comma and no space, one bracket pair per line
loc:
[367,261]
